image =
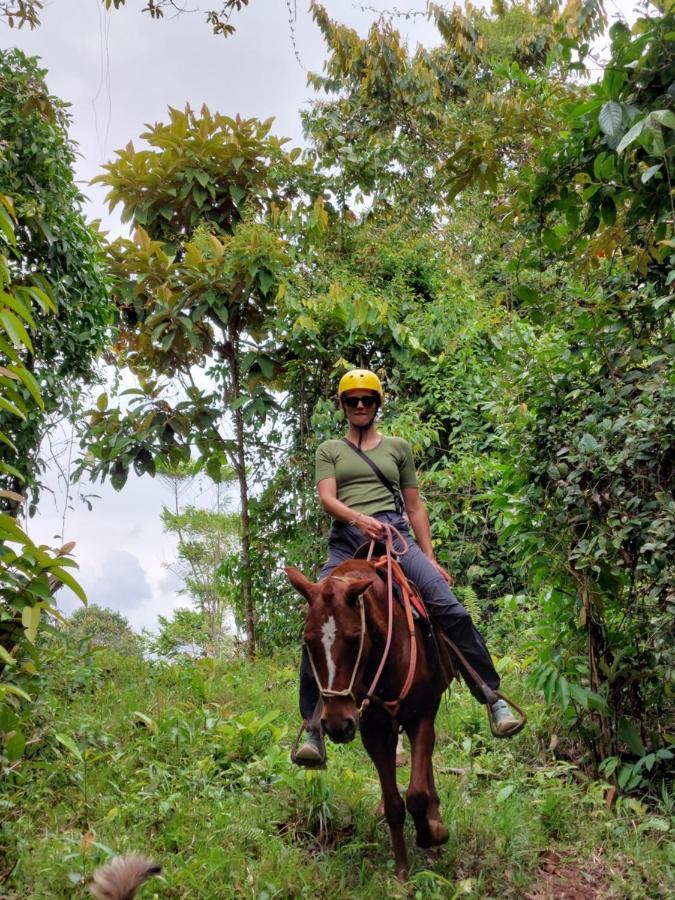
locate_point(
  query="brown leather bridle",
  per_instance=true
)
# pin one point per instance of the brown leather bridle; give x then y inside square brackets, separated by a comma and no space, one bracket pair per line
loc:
[389,562]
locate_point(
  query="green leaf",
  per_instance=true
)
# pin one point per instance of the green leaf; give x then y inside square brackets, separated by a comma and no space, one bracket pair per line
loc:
[625,775]
[629,734]
[608,211]
[17,691]
[649,173]
[631,136]
[70,582]
[14,328]
[30,619]
[552,241]
[7,225]
[611,118]
[526,294]
[588,443]
[11,408]
[69,744]
[28,380]
[237,193]
[6,657]
[665,117]
[504,793]
[14,746]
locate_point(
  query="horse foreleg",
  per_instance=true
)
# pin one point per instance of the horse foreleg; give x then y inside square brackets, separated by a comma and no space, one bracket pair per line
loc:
[380,742]
[421,796]
[436,825]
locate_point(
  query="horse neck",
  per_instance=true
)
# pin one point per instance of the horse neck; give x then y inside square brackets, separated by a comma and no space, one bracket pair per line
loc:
[399,649]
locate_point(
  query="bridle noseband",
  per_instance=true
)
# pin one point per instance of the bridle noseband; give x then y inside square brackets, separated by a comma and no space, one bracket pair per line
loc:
[348,691]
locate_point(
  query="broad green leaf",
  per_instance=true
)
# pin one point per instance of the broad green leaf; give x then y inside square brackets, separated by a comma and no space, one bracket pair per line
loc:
[15,329]
[69,744]
[632,135]
[28,380]
[7,225]
[552,241]
[11,408]
[7,658]
[70,582]
[649,173]
[631,736]
[665,117]
[17,305]
[30,619]
[588,443]
[504,793]
[611,118]
[526,294]
[17,691]
[14,746]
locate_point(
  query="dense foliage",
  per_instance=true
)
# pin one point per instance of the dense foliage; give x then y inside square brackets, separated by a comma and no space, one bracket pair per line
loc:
[534,383]
[488,224]
[29,574]
[104,628]
[54,249]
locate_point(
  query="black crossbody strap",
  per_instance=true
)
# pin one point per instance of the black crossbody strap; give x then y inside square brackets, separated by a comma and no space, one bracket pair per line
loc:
[376,469]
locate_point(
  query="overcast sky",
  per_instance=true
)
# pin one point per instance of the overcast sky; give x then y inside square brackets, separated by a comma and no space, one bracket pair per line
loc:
[120,70]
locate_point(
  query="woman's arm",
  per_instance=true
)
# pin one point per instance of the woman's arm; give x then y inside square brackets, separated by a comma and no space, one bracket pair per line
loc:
[417,513]
[371,528]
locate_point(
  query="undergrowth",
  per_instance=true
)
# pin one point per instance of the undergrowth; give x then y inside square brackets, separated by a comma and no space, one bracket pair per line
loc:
[188,762]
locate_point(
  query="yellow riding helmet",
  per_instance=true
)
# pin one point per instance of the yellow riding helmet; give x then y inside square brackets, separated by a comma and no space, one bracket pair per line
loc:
[360,378]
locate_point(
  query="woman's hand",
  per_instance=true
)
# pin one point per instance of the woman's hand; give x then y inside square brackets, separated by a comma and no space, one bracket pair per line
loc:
[439,568]
[371,527]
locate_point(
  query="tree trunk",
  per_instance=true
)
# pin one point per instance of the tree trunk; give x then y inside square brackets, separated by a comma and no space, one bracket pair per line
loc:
[240,469]
[596,649]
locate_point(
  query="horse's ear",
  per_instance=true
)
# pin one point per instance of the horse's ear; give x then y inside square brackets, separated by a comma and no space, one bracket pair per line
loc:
[302,585]
[358,587]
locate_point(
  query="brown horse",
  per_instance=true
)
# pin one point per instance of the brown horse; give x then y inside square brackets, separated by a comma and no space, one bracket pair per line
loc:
[346,631]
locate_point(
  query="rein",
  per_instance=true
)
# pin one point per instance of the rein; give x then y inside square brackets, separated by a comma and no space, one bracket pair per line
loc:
[394,571]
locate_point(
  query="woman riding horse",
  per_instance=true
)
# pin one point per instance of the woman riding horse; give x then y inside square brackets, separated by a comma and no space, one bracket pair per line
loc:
[361,503]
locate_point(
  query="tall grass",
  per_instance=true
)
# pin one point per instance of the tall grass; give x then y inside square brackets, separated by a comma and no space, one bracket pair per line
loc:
[188,763]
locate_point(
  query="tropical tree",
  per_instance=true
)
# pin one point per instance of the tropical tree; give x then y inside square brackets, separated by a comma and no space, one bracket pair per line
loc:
[186,631]
[206,538]
[18,13]
[195,288]
[103,627]
[29,574]
[587,502]
[53,251]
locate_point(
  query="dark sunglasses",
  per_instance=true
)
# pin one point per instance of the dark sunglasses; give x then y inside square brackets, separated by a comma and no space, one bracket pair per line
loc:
[353,402]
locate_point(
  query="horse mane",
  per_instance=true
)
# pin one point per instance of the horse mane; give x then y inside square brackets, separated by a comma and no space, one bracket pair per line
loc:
[359,568]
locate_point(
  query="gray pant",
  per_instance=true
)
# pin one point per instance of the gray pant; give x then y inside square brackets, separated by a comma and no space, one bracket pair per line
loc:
[444,608]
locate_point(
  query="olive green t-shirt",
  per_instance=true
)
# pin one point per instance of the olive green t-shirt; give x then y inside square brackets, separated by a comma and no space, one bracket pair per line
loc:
[357,485]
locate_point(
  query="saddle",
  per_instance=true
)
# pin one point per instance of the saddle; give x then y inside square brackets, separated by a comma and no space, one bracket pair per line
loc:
[440,654]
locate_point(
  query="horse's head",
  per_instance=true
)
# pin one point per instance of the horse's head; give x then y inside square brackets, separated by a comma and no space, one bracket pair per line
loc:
[337,640]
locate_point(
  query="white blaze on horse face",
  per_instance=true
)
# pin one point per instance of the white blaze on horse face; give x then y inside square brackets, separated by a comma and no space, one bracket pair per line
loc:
[328,632]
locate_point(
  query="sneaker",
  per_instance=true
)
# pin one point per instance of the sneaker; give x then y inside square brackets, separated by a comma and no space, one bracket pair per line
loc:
[504,723]
[310,752]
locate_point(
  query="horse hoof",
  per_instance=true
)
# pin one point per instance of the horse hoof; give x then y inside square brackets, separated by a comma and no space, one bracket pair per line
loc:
[434,835]
[439,833]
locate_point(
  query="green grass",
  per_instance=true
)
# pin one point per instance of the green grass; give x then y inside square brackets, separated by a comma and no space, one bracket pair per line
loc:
[189,764]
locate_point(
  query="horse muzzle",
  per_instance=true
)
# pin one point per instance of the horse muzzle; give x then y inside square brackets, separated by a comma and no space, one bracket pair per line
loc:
[340,727]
